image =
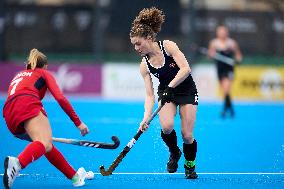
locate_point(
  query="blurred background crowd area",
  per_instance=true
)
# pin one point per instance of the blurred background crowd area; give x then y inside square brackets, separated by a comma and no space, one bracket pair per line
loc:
[97,31]
[89,51]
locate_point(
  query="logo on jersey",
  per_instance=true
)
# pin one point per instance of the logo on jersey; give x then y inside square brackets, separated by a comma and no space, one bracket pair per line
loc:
[196,98]
[172,65]
[157,75]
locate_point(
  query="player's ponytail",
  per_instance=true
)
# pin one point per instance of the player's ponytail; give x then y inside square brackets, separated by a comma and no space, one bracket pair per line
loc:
[148,23]
[36,59]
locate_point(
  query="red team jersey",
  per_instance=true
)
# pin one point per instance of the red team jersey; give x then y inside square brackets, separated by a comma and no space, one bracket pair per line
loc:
[25,93]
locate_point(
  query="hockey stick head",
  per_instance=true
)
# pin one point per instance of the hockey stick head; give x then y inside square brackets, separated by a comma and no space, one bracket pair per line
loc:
[127,148]
[104,172]
[116,142]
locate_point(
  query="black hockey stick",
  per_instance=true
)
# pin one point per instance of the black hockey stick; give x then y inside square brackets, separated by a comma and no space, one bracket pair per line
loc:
[127,148]
[218,56]
[87,143]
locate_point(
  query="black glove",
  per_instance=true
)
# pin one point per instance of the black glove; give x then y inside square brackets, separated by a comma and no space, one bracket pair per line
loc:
[168,95]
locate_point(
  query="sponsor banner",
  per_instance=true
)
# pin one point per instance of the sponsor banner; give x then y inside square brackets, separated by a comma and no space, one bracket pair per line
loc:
[71,78]
[250,83]
[259,82]
[206,81]
[124,81]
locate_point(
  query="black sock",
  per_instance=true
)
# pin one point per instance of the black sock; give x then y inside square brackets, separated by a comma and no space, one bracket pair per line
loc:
[190,150]
[228,103]
[171,141]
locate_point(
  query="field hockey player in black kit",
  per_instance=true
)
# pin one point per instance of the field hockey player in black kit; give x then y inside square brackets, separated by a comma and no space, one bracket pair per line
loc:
[228,48]
[176,88]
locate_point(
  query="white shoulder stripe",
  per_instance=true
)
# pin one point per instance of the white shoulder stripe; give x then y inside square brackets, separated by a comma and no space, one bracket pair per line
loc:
[162,47]
[144,61]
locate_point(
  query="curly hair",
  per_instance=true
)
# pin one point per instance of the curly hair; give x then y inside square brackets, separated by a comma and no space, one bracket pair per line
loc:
[147,23]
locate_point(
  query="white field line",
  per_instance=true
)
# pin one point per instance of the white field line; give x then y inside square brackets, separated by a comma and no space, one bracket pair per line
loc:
[253,173]
[244,173]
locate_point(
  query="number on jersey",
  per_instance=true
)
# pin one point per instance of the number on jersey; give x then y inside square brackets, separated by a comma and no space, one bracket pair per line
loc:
[15,83]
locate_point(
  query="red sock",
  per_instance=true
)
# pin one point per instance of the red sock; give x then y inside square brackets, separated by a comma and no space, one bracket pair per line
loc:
[32,152]
[56,158]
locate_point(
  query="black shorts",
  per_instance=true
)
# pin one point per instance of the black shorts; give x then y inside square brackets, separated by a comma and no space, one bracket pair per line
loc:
[225,71]
[182,98]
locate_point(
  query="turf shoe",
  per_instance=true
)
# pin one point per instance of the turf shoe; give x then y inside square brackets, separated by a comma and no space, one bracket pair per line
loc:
[190,173]
[189,167]
[172,164]
[79,178]
[12,168]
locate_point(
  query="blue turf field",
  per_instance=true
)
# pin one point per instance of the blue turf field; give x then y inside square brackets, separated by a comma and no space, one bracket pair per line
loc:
[244,152]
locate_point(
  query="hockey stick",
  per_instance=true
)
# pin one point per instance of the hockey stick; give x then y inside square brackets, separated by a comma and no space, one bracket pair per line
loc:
[218,56]
[127,148]
[86,143]
[90,143]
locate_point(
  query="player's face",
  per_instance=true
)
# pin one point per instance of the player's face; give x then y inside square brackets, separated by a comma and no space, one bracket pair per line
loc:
[141,45]
[222,32]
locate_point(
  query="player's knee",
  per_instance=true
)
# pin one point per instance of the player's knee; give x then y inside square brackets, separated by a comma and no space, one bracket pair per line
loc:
[48,147]
[187,137]
[167,127]
[47,144]
[167,130]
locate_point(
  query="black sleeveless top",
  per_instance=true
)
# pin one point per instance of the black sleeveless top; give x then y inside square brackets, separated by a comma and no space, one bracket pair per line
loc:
[167,72]
[228,52]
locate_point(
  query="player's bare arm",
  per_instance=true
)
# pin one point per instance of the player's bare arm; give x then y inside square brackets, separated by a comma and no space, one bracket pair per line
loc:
[150,98]
[238,53]
[211,49]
